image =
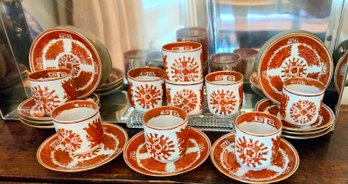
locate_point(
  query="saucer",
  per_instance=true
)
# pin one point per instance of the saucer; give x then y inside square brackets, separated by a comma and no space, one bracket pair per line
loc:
[52,155]
[138,159]
[340,72]
[308,136]
[254,80]
[222,156]
[39,122]
[33,125]
[116,75]
[28,110]
[287,132]
[110,91]
[326,116]
[292,54]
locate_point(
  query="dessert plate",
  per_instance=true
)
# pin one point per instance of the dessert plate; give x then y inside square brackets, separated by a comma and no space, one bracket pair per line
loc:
[340,72]
[52,155]
[38,122]
[326,116]
[28,110]
[306,133]
[223,157]
[138,159]
[290,54]
[68,48]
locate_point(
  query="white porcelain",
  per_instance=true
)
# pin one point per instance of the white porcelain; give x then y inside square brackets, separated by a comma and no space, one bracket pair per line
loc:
[51,88]
[301,100]
[78,126]
[224,92]
[165,131]
[257,139]
[186,96]
[145,88]
[183,61]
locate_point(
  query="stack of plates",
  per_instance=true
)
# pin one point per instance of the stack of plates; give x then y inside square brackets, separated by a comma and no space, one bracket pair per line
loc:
[113,83]
[321,127]
[255,84]
[30,116]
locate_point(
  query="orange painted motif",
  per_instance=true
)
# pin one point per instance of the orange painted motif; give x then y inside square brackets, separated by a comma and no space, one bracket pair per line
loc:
[94,133]
[147,96]
[48,99]
[302,111]
[223,101]
[70,140]
[185,69]
[251,152]
[185,99]
[182,139]
[159,146]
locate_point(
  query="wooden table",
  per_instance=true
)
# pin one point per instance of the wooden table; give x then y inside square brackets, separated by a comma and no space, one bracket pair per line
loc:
[322,160]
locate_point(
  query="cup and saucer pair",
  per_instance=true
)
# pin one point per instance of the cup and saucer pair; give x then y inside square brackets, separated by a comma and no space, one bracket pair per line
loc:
[283,166]
[52,155]
[137,157]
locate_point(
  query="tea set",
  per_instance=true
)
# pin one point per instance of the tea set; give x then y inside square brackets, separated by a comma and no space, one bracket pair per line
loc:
[294,70]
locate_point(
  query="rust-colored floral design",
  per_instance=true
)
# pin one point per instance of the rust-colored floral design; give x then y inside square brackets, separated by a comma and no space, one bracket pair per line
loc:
[70,140]
[71,62]
[185,69]
[295,67]
[168,98]
[285,100]
[275,146]
[62,157]
[48,99]
[250,152]
[159,146]
[185,99]
[303,111]
[94,132]
[69,89]
[147,96]
[182,139]
[223,101]
[165,66]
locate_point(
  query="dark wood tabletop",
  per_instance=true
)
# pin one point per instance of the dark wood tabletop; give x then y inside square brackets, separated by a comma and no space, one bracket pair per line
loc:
[322,160]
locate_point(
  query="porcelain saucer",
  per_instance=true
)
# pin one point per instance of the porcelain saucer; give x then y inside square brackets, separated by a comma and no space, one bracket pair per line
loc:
[138,159]
[52,155]
[326,116]
[28,110]
[33,125]
[222,156]
[307,136]
[116,75]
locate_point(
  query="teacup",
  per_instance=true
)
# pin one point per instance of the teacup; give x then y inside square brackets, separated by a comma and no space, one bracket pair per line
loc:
[224,92]
[183,61]
[225,62]
[187,96]
[165,131]
[146,88]
[257,139]
[78,126]
[301,100]
[51,88]
[247,63]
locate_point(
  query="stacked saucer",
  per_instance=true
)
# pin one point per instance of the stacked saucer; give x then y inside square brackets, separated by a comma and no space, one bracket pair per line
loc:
[29,115]
[321,127]
[255,84]
[112,84]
